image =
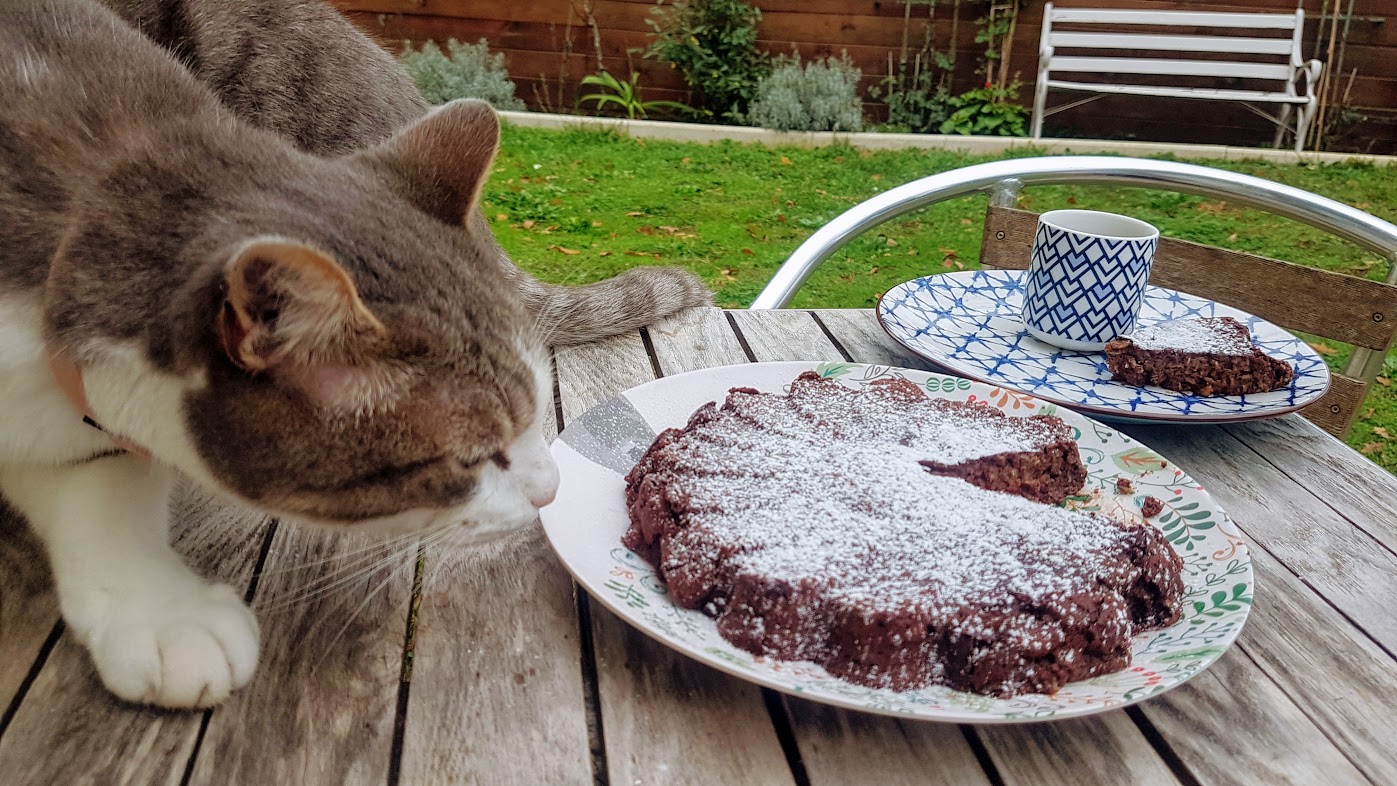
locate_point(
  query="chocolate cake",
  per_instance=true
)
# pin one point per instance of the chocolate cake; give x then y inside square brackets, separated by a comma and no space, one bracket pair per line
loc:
[895,539]
[1208,356]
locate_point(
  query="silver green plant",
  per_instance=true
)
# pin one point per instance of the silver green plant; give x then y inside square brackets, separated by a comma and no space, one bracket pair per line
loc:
[462,71]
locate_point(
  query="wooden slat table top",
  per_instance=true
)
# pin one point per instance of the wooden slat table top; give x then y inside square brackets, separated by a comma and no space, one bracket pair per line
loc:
[430,663]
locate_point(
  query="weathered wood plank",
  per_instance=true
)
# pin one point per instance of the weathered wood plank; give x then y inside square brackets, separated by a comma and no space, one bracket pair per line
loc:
[664,717]
[1275,744]
[70,730]
[1343,564]
[28,606]
[784,335]
[1294,636]
[1337,676]
[1108,749]
[497,652]
[1362,491]
[1025,756]
[496,692]
[695,339]
[860,328]
[333,610]
[840,747]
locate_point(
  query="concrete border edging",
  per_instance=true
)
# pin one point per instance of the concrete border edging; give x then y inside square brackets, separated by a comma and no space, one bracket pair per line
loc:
[975,145]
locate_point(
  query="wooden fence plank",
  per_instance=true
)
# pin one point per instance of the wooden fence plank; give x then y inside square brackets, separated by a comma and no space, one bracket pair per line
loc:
[70,730]
[662,713]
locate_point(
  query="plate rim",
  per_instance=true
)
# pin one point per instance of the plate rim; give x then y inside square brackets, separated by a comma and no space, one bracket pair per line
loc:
[1090,409]
[621,611]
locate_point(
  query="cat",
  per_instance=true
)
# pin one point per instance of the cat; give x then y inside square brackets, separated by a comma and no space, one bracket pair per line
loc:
[299,68]
[328,338]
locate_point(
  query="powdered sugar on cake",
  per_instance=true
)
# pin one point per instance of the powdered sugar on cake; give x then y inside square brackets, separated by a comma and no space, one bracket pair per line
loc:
[1203,335]
[830,525]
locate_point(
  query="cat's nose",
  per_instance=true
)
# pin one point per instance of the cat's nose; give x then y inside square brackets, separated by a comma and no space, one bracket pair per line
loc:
[541,498]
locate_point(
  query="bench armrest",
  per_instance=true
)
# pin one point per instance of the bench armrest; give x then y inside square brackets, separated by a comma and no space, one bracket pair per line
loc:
[1311,71]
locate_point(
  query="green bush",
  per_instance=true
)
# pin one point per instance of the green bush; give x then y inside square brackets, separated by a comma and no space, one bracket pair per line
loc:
[713,43]
[987,111]
[821,96]
[470,71]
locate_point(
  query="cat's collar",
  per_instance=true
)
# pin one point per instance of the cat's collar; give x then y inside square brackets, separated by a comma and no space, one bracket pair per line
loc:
[69,380]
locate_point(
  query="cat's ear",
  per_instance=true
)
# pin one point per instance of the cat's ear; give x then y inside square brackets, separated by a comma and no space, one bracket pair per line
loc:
[443,160]
[290,304]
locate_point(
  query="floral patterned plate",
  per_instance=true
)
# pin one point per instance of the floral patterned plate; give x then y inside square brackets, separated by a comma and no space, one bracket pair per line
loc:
[968,323]
[586,522]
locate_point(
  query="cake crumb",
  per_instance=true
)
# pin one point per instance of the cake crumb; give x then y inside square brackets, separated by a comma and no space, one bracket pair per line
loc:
[1151,507]
[1124,486]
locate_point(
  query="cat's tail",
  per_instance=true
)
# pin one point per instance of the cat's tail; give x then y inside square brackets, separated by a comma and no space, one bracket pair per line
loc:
[623,303]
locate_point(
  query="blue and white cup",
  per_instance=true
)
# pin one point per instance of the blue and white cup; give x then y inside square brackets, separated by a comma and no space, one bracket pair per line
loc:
[1087,277]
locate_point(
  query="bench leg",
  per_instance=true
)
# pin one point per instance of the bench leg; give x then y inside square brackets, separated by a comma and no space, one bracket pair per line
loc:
[1302,125]
[1281,125]
[1040,103]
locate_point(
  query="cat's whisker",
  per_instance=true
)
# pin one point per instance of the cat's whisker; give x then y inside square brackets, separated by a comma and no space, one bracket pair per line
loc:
[333,581]
[430,540]
[396,540]
[392,574]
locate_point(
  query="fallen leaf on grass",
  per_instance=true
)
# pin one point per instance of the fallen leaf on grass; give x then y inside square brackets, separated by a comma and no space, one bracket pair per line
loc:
[892,243]
[1385,382]
[727,274]
[1323,349]
[966,221]
[785,161]
[873,271]
[749,252]
[642,254]
[528,224]
[645,230]
[877,177]
[568,251]
[604,254]
[596,223]
[1369,448]
[635,213]
[1381,432]
[501,216]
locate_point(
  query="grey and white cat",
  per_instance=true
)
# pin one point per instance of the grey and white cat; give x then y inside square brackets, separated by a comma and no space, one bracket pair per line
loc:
[308,316]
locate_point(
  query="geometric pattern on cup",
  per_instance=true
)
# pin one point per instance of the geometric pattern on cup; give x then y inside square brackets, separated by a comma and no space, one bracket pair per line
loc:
[1086,288]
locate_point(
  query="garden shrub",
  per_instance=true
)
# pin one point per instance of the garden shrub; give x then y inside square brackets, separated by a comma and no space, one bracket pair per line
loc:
[463,71]
[713,43]
[821,96]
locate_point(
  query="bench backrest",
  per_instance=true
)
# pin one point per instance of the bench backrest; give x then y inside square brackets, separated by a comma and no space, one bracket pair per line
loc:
[1270,42]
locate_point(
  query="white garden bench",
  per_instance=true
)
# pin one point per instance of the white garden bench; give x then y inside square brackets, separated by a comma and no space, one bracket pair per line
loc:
[1274,64]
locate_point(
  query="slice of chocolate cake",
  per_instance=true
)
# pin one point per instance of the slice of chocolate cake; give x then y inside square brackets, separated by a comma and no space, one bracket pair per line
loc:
[1208,356]
[891,538]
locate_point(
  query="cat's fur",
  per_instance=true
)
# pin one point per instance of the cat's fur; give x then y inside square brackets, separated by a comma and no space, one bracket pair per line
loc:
[299,68]
[328,339]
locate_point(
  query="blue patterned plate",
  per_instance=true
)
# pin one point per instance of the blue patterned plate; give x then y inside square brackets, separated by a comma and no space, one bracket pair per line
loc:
[968,323]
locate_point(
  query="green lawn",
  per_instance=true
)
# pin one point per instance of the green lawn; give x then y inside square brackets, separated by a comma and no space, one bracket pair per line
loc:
[577,206]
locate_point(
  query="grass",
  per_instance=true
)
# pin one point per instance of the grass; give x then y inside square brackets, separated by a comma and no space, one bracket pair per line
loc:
[577,206]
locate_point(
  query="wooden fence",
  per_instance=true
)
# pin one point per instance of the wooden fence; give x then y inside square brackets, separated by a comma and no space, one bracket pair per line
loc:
[550,44]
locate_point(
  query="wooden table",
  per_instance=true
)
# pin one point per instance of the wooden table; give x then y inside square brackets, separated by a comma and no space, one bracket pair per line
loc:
[470,666]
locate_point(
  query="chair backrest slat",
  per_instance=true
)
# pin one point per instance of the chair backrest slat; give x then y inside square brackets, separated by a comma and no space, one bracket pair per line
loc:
[1171,43]
[1297,297]
[1339,307]
[1111,16]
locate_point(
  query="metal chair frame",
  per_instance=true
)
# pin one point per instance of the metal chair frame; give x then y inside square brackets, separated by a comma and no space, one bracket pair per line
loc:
[1003,181]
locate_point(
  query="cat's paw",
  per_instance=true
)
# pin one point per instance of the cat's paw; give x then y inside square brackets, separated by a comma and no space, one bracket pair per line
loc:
[183,650]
